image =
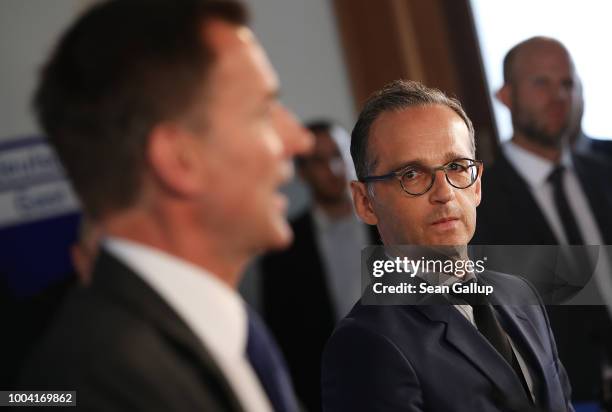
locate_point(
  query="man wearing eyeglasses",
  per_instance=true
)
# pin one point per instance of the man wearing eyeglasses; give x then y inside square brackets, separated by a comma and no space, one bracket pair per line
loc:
[419,183]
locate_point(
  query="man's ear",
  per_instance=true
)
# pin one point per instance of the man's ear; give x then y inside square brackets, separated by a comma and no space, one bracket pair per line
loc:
[363,205]
[478,186]
[504,95]
[173,155]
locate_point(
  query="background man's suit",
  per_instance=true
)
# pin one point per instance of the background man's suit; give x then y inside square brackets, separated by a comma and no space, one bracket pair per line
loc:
[509,215]
[298,306]
[117,343]
[417,358]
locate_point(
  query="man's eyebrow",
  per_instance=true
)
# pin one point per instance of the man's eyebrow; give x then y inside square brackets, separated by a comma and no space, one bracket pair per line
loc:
[409,163]
[448,157]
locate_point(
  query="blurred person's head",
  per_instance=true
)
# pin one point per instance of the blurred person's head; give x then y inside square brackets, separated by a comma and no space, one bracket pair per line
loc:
[84,252]
[324,169]
[539,90]
[166,117]
[407,129]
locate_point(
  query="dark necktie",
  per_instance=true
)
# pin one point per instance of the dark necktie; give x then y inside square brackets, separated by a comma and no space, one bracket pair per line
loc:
[488,325]
[570,227]
[268,363]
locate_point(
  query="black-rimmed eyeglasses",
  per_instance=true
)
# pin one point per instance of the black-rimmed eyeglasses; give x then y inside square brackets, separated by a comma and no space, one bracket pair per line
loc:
[416,180]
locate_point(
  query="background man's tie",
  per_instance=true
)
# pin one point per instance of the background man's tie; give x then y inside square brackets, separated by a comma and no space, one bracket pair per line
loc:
[570,227]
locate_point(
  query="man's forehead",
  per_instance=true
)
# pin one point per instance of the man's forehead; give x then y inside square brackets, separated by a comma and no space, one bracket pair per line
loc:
[418,133]
[221,35]
[542,56]
[236,46]
[418,123]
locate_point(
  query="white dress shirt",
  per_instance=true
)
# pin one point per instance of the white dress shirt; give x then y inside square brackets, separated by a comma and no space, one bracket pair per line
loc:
[535,171]
[212,310]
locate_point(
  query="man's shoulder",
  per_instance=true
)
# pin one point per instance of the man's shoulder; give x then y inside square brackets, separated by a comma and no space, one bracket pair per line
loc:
[385,321]
[113,351]
[593,167]
[118,318]
[89,327]
[510,289]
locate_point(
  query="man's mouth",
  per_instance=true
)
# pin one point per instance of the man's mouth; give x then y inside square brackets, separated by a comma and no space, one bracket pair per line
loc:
[445,223]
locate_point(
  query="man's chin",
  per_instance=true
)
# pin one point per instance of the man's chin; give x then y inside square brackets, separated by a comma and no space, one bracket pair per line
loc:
[448,240]
[551,138]
[282,236]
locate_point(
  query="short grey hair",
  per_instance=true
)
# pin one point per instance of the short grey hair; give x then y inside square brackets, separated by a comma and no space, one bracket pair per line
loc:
[396,96]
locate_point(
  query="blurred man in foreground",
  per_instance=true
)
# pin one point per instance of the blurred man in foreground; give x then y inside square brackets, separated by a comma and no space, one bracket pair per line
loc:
[166,117]
[418,182]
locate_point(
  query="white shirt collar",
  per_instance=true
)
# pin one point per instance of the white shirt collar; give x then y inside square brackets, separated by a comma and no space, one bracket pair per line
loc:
[214,312]
[531,167]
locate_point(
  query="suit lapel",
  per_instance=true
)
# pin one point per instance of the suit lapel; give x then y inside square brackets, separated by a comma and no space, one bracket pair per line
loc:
[113,279]
[464,337]
[524,335]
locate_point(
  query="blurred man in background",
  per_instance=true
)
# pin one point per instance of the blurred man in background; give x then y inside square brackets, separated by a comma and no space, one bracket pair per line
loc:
[314,283]
[540,193]
[171,131]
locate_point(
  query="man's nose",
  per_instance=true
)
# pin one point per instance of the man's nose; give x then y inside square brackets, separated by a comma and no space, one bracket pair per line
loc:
[297,140]
[441,191]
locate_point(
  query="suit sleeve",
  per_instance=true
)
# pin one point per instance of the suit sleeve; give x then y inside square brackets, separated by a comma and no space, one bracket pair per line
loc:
[365,371]
[563,378]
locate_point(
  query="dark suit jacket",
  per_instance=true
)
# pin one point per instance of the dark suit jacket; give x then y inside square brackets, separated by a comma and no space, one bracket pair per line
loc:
[598,147]
[298,307]
[430,358]
[509,215]
[122,348]
[27,319]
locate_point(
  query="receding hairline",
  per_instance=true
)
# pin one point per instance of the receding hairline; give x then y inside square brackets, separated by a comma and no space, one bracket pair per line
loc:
[520,50]
[372,162]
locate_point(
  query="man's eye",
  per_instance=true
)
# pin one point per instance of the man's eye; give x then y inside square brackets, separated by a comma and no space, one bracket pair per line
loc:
[540,81]
[456,167]
[411,174]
